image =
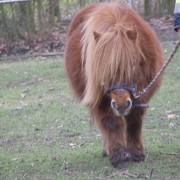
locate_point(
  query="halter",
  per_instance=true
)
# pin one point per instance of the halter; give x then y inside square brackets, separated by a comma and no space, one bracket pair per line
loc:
[118,86]
[132,91]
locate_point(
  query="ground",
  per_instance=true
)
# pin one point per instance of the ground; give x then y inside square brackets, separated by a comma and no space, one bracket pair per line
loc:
[45,132]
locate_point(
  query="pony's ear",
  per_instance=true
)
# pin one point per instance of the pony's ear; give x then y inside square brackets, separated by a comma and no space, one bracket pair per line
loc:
[132,35]
[97,36]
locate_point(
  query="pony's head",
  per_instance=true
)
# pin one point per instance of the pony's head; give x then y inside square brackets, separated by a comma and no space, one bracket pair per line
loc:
[123,99]
[121,102]
[110,51]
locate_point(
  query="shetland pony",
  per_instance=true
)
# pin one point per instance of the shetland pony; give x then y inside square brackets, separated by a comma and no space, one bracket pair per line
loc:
[110,50]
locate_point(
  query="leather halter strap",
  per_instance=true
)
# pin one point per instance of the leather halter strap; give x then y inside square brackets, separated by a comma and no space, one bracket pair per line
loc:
[140,105]
[132,91]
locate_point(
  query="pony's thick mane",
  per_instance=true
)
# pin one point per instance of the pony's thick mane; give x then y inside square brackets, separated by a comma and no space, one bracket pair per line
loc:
[112,58]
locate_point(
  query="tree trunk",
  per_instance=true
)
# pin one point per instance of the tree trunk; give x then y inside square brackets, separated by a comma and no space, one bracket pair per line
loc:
[40,25]
[82,3]
[147,8]
[26,18]
[54,11]
[164,7]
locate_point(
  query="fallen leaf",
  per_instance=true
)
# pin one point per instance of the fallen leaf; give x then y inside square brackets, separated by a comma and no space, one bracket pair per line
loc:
[72,145]
[23,95]
[171,125]
[171,116]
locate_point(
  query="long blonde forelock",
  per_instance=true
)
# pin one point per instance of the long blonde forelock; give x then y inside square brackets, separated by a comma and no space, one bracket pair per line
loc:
[109,60]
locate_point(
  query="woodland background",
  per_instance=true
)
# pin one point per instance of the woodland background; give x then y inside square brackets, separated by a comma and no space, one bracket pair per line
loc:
[31,26]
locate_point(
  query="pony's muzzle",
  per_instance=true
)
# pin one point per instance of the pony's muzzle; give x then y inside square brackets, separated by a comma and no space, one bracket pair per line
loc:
[123,109]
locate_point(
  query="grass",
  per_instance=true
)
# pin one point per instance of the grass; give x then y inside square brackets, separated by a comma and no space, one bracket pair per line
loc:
[45,134]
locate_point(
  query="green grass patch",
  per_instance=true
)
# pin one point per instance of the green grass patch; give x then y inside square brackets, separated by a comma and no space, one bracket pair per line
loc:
[45,133]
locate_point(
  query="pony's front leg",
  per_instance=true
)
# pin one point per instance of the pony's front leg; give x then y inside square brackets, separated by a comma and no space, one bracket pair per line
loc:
[115,145]
[134,134]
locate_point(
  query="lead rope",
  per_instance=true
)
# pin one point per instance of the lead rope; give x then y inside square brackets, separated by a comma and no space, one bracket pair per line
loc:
[159,73]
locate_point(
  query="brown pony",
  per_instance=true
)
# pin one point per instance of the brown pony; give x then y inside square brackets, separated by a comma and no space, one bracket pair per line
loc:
[110,50]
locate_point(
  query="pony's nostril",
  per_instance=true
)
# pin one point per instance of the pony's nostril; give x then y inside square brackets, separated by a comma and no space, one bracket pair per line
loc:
[128,104]
[114,105]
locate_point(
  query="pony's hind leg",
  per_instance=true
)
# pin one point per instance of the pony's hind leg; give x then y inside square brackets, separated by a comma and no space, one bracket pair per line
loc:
[114,135]
[134,134]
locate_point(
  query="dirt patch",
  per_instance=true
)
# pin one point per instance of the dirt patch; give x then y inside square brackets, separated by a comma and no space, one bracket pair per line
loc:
[23,82]
[53,43]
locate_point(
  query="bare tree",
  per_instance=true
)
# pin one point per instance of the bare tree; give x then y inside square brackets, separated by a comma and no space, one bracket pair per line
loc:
[54,11]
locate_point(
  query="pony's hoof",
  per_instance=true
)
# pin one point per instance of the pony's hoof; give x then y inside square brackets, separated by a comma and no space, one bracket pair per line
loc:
[120,159]
[120,165]
[138,157]
[104,153]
